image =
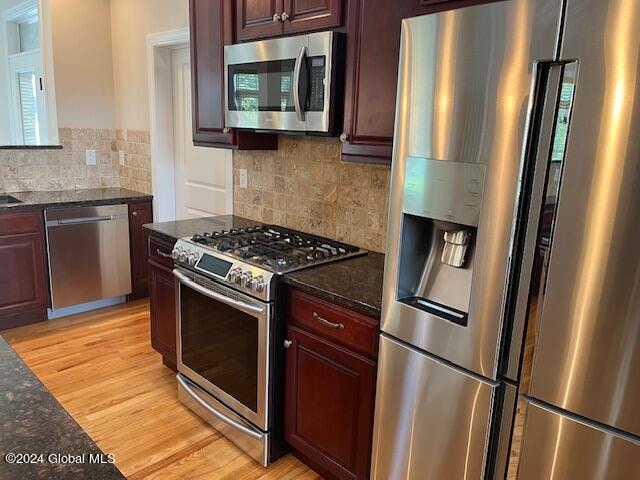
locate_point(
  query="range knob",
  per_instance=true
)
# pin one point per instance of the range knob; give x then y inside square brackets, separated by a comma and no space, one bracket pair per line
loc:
[175,253]
[245,279]
[183,256]
[192,259]
[234,275]
[258,283]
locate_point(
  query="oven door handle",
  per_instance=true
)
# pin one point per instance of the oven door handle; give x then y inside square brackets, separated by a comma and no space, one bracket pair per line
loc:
[238,426]
[245,307]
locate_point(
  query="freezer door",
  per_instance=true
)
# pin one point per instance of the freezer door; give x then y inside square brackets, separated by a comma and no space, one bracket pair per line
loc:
[465,93]
[559,447]
[587,348]
[431,421]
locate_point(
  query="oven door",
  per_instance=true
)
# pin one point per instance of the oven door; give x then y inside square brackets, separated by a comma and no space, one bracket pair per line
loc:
[224,344]
[280,84]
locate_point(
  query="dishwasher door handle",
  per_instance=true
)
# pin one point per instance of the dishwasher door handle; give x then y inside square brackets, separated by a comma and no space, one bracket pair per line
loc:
[81,220]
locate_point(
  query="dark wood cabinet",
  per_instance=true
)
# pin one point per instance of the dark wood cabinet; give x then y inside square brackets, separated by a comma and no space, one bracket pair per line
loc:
[211,23]
[309,15]
[329,396]
[330,386]
[140,213]
[372,73]
[24,290]
[257,19]
[162,300]
[373,53]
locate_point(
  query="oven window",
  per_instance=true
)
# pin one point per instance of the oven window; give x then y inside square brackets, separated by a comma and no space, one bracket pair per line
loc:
[262,86]
[220,344]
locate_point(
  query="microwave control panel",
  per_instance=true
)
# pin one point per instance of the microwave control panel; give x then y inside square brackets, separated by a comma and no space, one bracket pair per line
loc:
[316,84]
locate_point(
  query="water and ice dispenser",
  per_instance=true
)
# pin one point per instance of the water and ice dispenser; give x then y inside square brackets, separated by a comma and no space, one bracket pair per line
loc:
[441,211]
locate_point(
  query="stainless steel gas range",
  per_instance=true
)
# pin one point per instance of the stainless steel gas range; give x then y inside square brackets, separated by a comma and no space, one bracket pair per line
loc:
[230,331]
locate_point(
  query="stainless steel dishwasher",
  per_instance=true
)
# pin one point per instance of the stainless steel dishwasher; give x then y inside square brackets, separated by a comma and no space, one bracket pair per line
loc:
[88,254]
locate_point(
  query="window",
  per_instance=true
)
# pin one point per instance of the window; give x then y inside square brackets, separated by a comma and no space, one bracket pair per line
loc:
[29,108]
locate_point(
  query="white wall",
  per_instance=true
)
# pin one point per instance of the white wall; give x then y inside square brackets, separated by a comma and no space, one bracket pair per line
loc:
[131,21]
[82,57]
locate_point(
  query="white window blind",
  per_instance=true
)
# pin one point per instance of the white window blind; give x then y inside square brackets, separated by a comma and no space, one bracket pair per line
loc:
[27,87]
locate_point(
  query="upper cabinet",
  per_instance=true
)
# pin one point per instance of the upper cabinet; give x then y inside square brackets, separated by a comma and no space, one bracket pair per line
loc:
[258,18]
[373,53]
[305,15]
[372,77]
[270,18]
[212,29]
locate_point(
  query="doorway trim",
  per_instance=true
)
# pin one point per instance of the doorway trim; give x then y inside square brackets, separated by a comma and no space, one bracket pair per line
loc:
[160,78]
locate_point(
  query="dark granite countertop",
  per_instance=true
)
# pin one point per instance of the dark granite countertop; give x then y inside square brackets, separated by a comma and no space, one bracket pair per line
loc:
[68,198]
[187,228]
[354,283]
[33,421]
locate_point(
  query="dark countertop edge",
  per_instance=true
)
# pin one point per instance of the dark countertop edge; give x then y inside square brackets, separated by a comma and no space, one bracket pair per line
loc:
[31,147]
[162,235]
[288,279]
[15,207]
[338,299]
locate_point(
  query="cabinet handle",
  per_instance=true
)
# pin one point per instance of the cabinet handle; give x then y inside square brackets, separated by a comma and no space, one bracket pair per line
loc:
[135,214]
[276,17]
[162,254]
[287,343]
[226,130]
[285,16]
[326,322]
[344,137]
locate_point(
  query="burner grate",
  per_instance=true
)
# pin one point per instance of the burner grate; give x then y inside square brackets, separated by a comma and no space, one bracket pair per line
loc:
[278,248]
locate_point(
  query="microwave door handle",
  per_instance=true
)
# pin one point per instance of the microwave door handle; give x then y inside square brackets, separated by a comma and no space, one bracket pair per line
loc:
[245,307]
[300,82]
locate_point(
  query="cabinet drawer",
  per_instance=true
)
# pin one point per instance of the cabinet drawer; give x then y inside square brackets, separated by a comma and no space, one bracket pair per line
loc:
[351,329]
[159,249]
[21,222]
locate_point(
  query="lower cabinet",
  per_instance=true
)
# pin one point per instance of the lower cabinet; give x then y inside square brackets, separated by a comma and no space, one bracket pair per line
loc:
[329,400]
[162,301]
[24,290]
[140,213]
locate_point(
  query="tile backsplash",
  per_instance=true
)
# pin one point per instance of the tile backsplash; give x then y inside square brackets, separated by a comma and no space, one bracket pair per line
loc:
[305,186]
[66,169]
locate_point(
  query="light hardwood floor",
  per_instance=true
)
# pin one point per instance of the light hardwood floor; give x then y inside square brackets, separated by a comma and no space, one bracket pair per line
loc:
[102,369]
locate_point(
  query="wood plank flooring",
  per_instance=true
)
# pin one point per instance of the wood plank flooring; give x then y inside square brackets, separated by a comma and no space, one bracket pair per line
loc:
[102,369]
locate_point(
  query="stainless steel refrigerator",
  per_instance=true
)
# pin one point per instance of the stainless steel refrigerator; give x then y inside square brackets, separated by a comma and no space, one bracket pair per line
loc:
[511,313]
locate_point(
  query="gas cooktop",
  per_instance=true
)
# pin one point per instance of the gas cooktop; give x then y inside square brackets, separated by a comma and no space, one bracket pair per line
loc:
[275,248]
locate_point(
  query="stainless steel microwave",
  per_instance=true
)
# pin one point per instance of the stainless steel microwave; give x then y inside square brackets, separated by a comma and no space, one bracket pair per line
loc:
[285,84]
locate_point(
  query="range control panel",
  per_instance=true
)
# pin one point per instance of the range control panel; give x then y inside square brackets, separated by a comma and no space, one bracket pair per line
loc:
[241,276]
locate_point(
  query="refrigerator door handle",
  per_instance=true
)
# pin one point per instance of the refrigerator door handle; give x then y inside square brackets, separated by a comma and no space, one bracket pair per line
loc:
[541,151]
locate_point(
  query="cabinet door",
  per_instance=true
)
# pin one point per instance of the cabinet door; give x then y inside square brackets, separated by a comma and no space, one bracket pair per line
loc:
[24,293]
[211,29]
[139,214]
[307,15]
[255,19]
[329,395]
[162,303]
[372,72]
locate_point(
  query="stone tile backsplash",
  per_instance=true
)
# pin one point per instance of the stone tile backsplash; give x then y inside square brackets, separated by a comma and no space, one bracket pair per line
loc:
[136,172]
[66,169]
[305,186]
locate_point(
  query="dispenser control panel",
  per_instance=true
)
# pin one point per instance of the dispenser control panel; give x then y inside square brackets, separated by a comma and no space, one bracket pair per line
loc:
[444,190]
